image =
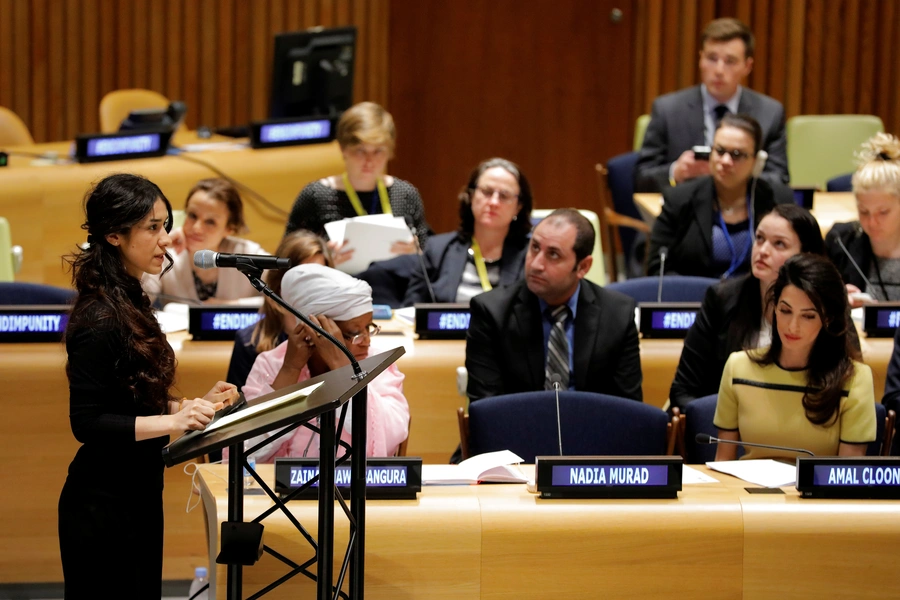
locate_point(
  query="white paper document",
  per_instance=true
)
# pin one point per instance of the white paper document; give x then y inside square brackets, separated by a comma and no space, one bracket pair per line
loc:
[492,466]
[263,406]
[371,236]
[764,472]
[690,475]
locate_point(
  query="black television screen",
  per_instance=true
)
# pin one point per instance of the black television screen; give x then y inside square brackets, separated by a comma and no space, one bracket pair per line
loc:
[312,74]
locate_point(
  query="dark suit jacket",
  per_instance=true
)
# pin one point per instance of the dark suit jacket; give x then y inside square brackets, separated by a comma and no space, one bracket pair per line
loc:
[858,245]
[505,343]
[676,125]
[685,225]
[891,398]
[445,258]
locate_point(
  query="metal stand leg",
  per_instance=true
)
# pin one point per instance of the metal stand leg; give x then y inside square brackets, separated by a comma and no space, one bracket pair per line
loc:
[325,555]
[358,493]
[235,512]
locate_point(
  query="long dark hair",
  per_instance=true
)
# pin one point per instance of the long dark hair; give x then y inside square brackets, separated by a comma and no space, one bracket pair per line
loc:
[745,325]
[830,363]
[521,226]
[109,297]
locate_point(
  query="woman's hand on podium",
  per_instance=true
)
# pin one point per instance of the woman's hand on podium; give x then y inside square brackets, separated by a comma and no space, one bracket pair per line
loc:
[194,414]
[222,394]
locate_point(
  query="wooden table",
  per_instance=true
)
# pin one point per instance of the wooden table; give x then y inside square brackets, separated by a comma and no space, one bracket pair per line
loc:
[39,444]
[828,208]
[43,201]
[498,542]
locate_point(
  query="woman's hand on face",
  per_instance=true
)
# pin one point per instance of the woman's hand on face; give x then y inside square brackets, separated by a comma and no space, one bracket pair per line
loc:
[338,253]
[194,414]
[408,247]
[177,236]
[331,355]
[857,298]
[301,345]
[222,394]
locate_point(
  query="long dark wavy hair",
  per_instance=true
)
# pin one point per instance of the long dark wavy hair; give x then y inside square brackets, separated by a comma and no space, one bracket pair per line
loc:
[521,226]
[110,298]
[830,363]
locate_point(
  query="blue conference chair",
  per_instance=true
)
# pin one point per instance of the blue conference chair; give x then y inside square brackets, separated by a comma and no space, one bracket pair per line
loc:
[698,418]
[841,183]
[16,293]
[620,174]
[592,424]
[676,288]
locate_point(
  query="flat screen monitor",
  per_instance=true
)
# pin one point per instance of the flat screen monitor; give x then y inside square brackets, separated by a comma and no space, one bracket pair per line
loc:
[312,74]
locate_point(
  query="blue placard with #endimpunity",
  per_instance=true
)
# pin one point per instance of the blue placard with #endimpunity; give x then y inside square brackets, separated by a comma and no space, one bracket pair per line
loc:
[26,324]
[206,323]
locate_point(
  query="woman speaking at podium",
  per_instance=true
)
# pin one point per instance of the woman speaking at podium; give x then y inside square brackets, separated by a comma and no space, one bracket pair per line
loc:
[120,371]
[808,390]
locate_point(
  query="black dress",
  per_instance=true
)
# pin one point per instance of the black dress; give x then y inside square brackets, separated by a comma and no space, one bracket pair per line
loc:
[110,509]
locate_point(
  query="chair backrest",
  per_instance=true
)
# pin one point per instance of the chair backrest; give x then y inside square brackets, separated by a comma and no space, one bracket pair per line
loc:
[116,105]
[620,171]
[841,183]
[820,147]
[7,265]
[676,288]
[597,274]
[21,293]
[591,424]
[640,128]
[13,131]
[875,448]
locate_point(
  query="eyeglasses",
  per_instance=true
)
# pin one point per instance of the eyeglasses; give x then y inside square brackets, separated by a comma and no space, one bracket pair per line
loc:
[502,195]
[370,330]
[736,155]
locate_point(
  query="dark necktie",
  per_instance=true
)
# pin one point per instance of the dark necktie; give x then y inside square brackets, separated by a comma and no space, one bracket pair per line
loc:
[721,110]
[557,348]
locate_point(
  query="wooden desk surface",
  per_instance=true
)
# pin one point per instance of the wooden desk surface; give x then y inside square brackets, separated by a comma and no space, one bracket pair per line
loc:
[39,443]
[44,203]
[499,541]
[828,208]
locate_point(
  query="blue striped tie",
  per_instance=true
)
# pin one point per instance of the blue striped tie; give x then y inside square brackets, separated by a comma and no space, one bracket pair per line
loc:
[557,348]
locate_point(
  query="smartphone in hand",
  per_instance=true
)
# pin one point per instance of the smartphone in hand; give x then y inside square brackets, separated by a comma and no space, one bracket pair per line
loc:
[701,152]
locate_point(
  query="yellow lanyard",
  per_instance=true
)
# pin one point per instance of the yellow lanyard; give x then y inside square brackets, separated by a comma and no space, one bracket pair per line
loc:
[357,205]
[480,266]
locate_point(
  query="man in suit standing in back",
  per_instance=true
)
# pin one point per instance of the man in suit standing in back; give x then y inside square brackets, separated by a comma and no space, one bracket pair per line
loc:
[687,118]
[555,323]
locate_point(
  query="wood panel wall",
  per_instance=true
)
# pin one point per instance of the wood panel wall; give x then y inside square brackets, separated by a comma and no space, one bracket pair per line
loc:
[59,57]
[815,56]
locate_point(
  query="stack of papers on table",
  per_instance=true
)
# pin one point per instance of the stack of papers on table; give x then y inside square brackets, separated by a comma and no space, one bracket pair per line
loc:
[764,472]
[498,467]
[371,236]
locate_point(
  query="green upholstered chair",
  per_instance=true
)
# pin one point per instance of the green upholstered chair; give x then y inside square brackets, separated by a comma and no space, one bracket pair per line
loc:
[820,147]
[8,253]
[640,127]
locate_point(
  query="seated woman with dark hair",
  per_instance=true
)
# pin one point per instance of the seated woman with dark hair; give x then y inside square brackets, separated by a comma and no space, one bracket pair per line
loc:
[489,248]
[731,317]
[301,247]
[214,214]
[808,390]
[707,224]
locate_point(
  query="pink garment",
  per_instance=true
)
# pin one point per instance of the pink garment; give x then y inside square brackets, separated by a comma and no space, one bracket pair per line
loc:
[388,412]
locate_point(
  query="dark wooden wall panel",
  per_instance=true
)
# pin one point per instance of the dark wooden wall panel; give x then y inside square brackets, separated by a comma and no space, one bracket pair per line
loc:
[58,58]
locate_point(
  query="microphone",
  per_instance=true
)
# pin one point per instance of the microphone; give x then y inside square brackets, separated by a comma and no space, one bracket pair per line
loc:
[663,252]
[556,380]
[207,259]
[705,438]
[421,255]
[853,262]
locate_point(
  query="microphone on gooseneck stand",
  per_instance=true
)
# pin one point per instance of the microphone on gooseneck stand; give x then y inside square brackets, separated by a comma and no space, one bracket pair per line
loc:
[663,252]
[207,259]
[853,262]
[421,256]
[556,380]
[705,438]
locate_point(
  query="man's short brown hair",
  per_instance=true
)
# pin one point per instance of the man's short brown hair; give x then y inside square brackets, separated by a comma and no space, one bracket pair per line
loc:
[725,30]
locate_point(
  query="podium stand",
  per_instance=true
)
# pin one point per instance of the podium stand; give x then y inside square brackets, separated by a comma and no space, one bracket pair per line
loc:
[336,388]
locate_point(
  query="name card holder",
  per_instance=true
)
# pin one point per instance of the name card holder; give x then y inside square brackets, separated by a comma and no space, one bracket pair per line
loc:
[218,323]
[276,133]
[393,478]
[650,477]
[448,321]
[881,320]
[101,147]
[26,324]
[669,320]
[863,477]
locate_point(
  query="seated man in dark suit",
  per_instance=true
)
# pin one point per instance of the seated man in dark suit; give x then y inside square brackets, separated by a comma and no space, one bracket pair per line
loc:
[687,118]
[554,324]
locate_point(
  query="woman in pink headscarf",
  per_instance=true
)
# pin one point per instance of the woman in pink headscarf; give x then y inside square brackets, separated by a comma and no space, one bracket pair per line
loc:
[342,305]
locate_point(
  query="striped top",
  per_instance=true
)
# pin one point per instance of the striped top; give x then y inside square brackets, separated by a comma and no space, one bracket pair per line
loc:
[765,403]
